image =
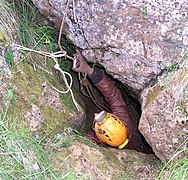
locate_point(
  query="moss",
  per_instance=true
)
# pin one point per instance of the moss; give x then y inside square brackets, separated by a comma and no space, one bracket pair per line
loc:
[152,95]
[3,39]
[55,121]
[28,87]
[28,91]
[85,162]
[66,98]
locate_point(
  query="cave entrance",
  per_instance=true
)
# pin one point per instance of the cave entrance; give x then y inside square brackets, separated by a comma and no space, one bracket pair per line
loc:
[132,102]
[130,98]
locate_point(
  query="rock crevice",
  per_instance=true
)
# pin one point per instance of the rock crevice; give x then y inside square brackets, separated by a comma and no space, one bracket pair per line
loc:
[136,42]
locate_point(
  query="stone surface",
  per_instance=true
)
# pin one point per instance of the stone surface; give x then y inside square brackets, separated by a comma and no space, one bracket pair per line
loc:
[34,118]
[51,97]
[8,25]
[133,40]
[164,120]
[44,109]
[90,162]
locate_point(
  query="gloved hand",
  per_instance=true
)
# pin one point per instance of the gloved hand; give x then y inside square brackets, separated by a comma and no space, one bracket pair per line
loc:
[81,64]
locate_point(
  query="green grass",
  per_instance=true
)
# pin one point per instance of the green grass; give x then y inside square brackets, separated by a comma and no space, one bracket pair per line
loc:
[173,67]
[19,152]
[185,55]
[9,57]
[8,25]
[176,168]
[32,31]
[179,170]
[25,12]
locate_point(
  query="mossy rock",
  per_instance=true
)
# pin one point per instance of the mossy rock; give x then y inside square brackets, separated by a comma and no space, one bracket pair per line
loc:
[37,104]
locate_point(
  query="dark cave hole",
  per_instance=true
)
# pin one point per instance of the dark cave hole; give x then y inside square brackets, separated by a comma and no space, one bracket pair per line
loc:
[130,98]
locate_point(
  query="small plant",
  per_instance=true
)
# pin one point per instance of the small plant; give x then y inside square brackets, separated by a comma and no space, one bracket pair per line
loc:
[185,56]
[45,36]
[10,96]
[144,11]
[25,13]
[173,67]
[137,64]
[9,57]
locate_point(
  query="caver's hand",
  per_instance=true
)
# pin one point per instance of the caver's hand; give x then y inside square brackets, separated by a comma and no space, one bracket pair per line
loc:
[81,64]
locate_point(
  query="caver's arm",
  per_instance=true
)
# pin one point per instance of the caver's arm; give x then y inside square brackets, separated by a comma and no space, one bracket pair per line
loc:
[113,97]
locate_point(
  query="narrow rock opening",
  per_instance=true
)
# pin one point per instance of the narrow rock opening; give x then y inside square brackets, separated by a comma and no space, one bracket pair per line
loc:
[132,102]
[130,98]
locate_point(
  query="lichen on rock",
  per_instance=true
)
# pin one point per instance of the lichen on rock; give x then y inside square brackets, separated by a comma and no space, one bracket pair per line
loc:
[113,29]
[8,25]
[3,39]
[7,35]
[136,42]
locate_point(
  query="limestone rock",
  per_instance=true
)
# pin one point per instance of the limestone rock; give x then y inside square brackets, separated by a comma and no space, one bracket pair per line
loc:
[89,162]
[34,118]
[164,120]
[50,113]
[134,40]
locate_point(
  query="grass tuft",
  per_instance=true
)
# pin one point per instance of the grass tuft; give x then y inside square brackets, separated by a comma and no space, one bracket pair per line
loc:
[176,168]
[21,157]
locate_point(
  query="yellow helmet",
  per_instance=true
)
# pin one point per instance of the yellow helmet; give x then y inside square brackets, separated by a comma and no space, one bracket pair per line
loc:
[110,130]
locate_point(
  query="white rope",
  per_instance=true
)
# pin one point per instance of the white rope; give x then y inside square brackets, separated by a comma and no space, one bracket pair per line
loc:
[55,55]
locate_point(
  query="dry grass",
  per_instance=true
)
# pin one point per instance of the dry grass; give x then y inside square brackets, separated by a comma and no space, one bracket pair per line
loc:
[8,25]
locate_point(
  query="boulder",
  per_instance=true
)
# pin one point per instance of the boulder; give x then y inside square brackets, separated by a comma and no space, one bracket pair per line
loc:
[164,120]
[87,161]
[134,40]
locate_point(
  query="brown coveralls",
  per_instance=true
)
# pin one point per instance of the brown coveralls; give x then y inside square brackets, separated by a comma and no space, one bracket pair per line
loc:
[119,108]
